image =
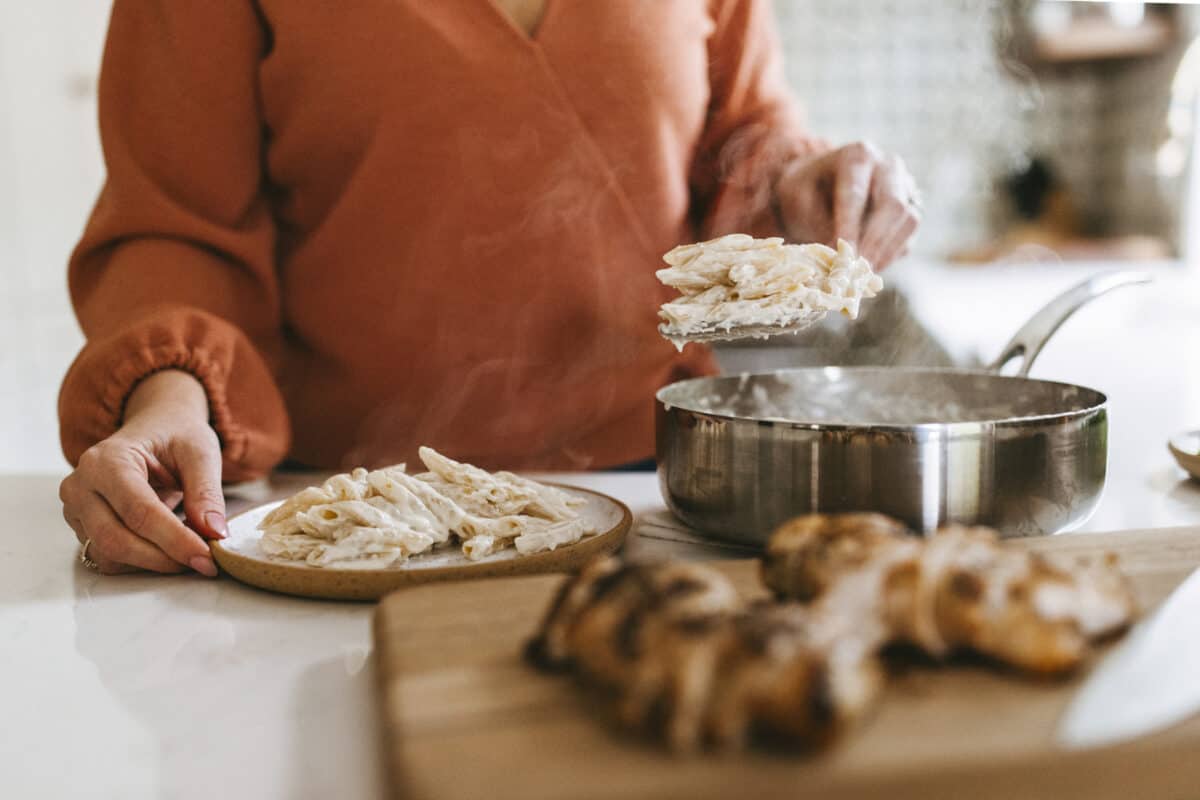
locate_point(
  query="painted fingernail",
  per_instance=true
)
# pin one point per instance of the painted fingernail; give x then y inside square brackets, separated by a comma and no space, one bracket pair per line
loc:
[204,566]
[216,523]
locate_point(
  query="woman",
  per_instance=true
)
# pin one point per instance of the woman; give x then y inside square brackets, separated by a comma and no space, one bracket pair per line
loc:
[335,231]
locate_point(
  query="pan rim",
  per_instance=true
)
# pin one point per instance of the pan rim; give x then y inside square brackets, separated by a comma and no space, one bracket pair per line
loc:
[1101,403]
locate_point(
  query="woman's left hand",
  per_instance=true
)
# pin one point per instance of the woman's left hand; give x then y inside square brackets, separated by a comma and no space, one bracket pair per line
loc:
[856,193]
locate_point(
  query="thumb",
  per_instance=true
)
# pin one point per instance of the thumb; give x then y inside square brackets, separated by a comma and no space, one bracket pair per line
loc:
[199,467]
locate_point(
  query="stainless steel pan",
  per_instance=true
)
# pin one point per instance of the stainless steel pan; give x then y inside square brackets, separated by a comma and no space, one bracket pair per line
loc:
[739,454]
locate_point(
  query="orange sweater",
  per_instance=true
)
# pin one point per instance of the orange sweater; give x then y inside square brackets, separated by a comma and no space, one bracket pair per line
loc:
[371,224]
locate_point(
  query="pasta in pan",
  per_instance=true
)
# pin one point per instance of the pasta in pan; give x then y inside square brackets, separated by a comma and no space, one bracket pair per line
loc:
[379,518]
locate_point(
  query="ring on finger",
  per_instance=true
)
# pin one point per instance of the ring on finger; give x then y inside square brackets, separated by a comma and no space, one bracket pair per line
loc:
[83,557]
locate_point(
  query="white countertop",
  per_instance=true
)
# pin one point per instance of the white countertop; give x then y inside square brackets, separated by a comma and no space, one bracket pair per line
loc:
[144,687]
[181,687]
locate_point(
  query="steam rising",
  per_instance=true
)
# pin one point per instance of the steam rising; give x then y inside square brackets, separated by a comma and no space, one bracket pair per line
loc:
[547,265]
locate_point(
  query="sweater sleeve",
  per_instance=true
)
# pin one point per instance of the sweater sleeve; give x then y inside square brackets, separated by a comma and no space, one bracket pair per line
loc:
[175,268]
[754,125]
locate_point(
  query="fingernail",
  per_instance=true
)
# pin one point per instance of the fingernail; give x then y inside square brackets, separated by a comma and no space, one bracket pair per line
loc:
[204,566]
[216,523]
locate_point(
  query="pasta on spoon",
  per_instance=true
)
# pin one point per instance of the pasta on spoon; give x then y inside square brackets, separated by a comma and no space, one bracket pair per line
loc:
[738,286]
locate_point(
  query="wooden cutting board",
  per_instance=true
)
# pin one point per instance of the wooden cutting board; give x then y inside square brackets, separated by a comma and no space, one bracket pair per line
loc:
[466,718]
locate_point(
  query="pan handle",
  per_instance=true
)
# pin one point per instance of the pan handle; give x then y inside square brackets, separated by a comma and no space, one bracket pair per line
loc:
[1033,335]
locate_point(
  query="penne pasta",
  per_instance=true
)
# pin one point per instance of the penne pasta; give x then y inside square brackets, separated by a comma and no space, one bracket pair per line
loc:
[383,517]
[737,281]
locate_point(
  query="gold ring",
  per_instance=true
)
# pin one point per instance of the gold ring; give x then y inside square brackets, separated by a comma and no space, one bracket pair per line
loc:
[83,557]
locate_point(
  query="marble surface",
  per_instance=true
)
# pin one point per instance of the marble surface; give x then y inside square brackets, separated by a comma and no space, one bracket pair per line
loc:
[182,687]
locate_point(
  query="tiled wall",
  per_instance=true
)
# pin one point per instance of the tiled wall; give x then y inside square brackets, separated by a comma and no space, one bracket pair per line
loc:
[1063,126]
[920,78]
[923,78]
[1132,130]
[1103,128]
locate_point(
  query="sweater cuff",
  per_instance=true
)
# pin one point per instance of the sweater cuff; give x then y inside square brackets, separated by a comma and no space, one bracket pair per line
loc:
[245,406]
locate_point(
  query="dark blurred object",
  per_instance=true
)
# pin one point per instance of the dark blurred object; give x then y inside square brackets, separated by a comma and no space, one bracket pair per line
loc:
[1029,188]
[1047,221]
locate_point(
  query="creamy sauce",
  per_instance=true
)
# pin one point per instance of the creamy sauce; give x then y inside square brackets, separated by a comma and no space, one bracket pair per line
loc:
[372,520]
[760,286]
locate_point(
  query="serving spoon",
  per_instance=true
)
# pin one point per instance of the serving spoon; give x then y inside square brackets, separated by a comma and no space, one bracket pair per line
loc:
[728,332]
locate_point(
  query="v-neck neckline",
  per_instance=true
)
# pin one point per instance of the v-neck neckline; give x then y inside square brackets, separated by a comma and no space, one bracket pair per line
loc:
[531,39]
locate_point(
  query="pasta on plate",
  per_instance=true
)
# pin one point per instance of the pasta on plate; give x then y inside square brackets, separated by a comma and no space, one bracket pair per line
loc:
[380,518]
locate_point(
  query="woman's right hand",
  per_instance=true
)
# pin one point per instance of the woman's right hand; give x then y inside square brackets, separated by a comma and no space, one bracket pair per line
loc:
[121,495]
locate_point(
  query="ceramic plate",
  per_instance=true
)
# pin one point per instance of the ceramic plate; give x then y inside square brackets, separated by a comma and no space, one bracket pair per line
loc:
[240,556]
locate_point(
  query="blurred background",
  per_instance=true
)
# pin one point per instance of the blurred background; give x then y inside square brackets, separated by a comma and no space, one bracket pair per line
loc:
[1024,121]
[1047,137]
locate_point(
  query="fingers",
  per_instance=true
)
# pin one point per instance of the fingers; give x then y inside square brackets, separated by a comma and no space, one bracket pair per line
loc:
[884,248]
[139,510]
[856,164]
[109,500]
[199,467]
[171,498]
[805,200]
[892,217]
[76,526]
[854,193]
[165,484]
[114,547]
[103,565]
[897,247]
